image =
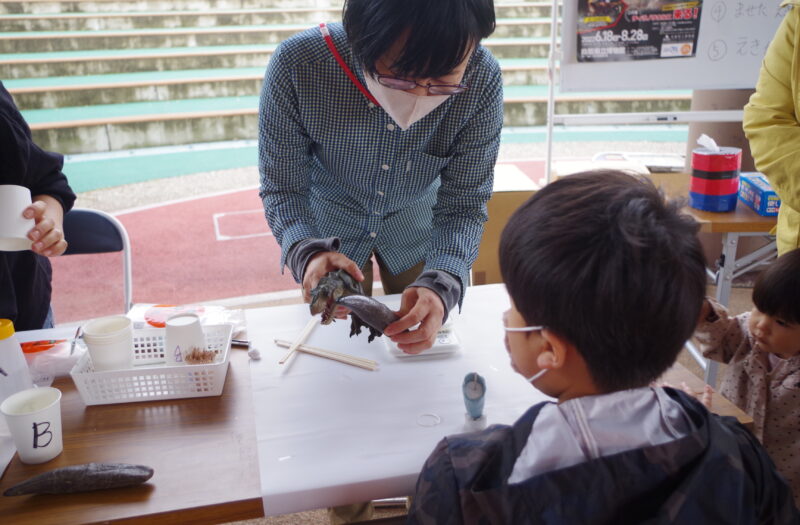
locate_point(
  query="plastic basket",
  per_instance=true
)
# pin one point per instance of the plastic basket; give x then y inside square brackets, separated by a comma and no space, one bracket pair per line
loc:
[151,379]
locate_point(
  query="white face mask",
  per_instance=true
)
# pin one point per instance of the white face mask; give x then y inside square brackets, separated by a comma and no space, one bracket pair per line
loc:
[536,376]
[404,108]
[540,373]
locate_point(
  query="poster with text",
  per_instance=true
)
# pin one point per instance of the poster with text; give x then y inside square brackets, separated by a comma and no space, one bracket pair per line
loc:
[613,30]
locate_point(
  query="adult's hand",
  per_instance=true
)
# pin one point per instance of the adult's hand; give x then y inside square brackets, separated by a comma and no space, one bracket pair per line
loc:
[324,262]
[48,233]
[418,305]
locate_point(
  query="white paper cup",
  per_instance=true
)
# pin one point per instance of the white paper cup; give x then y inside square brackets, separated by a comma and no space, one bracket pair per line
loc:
[14,227]
[184,333]
[110,342]
[34,420]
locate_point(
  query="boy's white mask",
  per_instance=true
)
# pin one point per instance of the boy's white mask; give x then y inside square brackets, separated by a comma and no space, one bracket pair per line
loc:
[404,108]
[536,376]
[538,328]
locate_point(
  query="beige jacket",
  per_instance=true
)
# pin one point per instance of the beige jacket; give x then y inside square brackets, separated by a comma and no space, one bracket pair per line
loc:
[772,124]
[770,397]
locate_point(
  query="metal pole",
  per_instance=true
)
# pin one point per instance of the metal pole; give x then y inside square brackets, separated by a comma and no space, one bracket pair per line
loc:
[551,98]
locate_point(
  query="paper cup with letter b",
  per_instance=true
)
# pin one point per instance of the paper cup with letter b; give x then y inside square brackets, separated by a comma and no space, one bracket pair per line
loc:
[14,227]
[34,420]
[185,342]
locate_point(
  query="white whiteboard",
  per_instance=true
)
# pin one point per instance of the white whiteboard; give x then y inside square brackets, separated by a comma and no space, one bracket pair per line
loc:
[733,38]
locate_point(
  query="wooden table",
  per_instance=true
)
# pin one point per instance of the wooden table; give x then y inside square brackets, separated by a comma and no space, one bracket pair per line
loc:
[742,222]
[203,451]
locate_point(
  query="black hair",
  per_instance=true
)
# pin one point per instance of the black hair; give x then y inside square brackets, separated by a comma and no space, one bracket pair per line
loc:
[777,289]
[440,33]
[605,261]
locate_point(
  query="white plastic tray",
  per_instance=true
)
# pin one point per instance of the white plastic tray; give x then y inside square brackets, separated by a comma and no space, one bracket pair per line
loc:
[151,378]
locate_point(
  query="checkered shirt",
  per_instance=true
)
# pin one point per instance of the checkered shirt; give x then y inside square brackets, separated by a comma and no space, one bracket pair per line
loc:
[332,164]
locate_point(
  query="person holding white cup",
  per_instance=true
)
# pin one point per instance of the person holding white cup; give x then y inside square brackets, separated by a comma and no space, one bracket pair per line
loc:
[25,275]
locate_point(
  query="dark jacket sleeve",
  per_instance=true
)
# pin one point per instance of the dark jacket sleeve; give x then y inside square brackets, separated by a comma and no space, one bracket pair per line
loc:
[24,163]
[775,503]
[436,499]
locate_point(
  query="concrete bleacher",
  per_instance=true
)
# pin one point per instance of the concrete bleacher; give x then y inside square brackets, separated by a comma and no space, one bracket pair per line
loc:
[107,75]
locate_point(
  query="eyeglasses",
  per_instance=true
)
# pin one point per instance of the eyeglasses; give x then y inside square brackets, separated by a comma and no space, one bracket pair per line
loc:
[405,84]
[521,329]
[524,329]
[541,372]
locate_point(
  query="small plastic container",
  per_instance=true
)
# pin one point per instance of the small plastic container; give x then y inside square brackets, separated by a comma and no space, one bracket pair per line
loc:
[14,373]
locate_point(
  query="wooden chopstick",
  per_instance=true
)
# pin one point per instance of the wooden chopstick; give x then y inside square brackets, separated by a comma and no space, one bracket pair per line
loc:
[320,351]
[300,339]
[330,354]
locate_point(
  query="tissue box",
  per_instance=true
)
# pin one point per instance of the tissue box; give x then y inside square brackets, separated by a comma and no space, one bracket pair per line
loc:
[756,192]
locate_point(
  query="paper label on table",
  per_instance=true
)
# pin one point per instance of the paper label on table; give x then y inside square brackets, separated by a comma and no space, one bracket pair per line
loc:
[446,343]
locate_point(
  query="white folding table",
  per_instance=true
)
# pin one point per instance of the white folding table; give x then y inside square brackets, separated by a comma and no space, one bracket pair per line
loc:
[331,434]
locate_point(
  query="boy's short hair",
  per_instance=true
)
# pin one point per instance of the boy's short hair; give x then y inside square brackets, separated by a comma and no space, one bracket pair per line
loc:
[602,259]
[440,32]
[777,289]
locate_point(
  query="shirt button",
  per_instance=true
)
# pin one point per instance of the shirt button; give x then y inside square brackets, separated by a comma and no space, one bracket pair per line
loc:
[373,234]
[380,193]
[390,127]
[371,105]
[385,167]
[376,212]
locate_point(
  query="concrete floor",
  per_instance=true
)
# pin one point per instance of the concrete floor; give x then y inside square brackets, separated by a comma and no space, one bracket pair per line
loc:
[315,517]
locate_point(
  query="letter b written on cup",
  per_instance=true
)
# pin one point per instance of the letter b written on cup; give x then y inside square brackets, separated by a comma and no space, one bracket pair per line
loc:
[34,420]
[42,436]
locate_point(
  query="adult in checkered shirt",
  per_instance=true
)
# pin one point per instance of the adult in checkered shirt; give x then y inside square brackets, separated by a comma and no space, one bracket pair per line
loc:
[396,161]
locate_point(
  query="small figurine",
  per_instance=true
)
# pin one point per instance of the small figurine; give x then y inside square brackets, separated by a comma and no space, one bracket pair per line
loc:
[339,288]
[474,390]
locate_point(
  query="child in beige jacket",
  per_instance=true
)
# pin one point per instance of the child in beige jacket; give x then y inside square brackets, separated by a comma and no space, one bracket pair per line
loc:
[762,350]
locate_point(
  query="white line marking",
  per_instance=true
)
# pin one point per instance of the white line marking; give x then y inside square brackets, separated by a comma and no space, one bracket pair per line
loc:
[220,237]
[185,199]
